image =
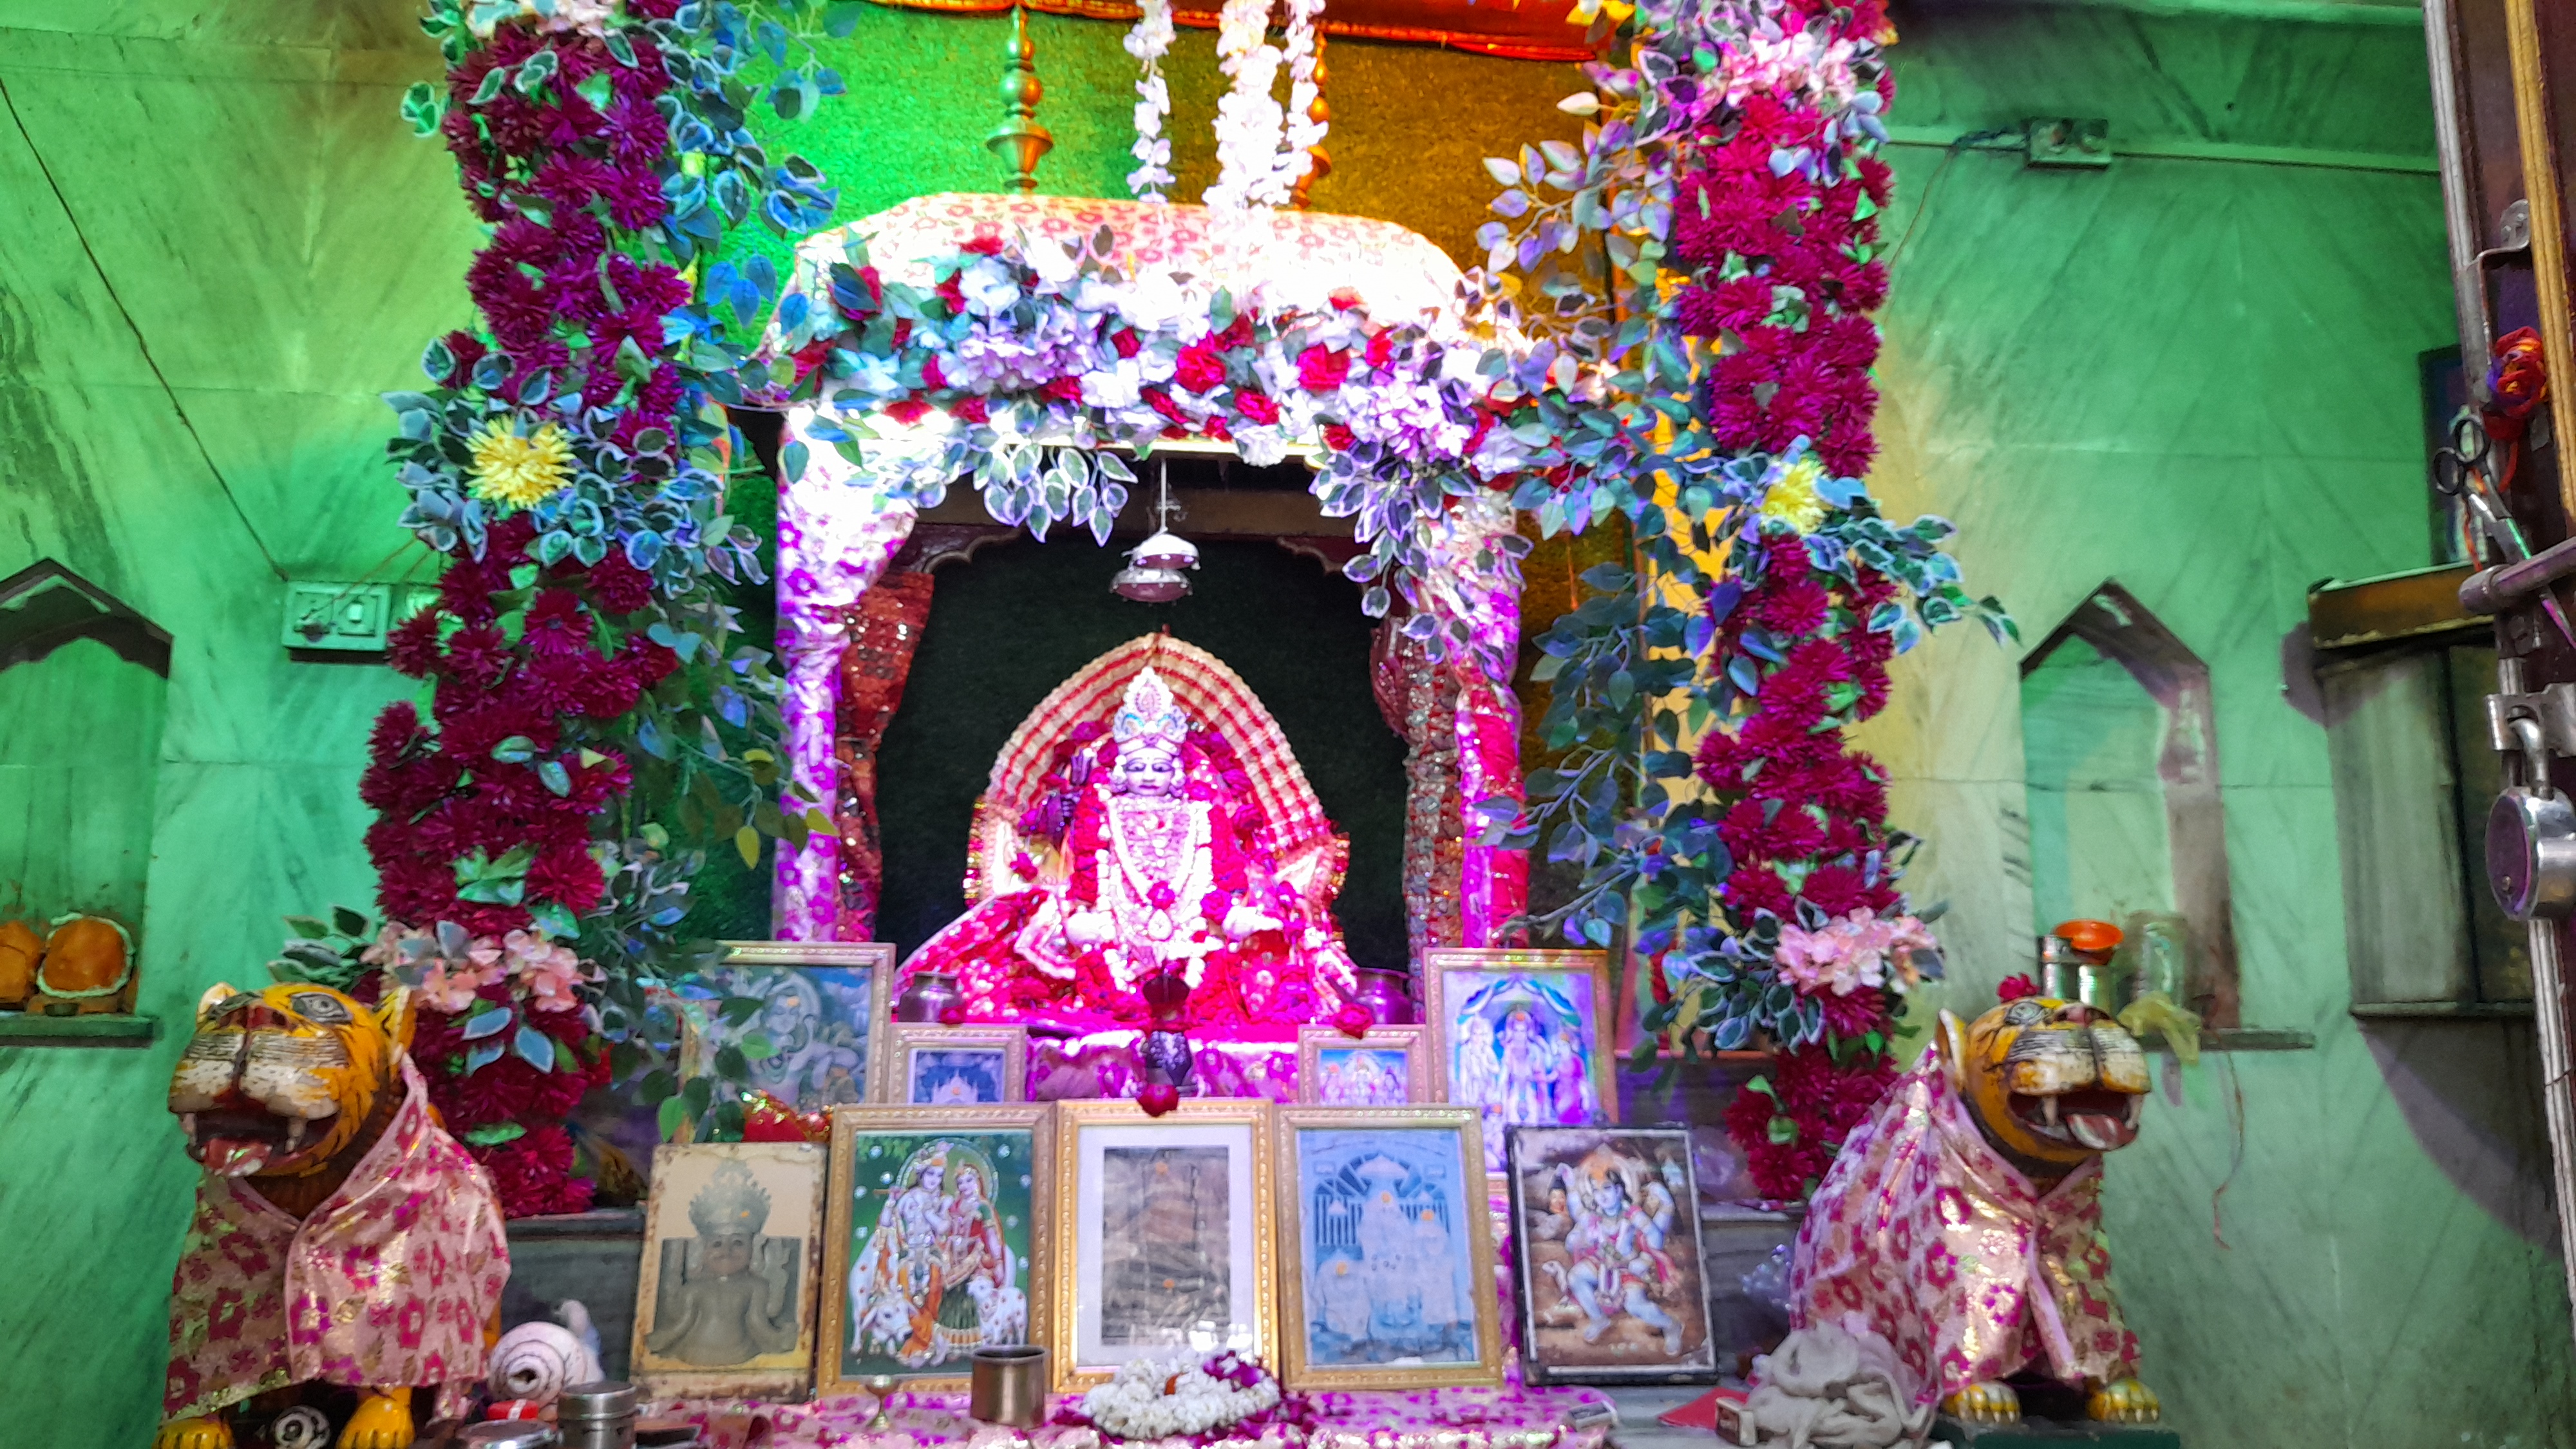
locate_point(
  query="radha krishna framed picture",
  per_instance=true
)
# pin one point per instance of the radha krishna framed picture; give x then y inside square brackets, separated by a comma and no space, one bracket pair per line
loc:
[1388,1278]
[935,1240]
[1164,1237]
[1523,1036]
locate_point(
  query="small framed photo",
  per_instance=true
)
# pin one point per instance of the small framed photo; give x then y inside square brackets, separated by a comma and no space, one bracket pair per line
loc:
[1386,1068]
[724,1304]
[822,1009]
[1605,1234]
[924,1065]
[1164,1234]
[1523,1036]
[935,1241]
[1388,1278]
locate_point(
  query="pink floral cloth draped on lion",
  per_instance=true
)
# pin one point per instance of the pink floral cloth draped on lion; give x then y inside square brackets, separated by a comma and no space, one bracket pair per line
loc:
[391,1281]
[1923,1234]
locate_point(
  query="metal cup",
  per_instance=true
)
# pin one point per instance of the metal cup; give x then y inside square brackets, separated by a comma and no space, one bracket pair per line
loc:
[1008,1386]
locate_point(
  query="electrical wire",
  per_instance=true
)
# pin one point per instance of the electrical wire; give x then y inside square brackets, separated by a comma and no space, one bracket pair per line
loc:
[1972,141]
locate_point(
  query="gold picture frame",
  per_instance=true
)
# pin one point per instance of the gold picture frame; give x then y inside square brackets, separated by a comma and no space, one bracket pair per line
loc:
[1314,1043]
[1438,1248]
[893,1059]
[1446,971]
[1087,1132]
[733,1179]
[987,1131]
[834,1002]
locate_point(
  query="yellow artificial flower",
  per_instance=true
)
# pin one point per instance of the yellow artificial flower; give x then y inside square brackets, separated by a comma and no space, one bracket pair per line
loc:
[520,472]
[1793,500]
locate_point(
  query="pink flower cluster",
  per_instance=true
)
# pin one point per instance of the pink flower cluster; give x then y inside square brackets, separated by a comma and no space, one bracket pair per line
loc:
[545,972]
[1851,952]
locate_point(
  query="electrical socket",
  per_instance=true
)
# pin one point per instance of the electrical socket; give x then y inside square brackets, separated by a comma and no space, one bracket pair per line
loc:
[2067,141]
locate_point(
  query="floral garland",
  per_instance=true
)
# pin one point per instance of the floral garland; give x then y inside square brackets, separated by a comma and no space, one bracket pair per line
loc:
[1302,131]
[568,462]
[1149,40]
[1188,1397]
[1248,117]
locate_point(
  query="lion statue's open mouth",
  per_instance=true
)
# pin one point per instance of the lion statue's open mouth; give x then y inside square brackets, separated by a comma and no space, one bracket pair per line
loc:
[276,1084]
[2054,1082]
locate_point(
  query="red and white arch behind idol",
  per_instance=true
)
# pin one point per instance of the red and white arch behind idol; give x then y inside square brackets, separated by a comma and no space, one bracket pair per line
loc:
[839,529]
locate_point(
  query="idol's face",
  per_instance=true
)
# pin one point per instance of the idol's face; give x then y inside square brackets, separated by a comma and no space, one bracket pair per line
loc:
[932,1177]
[1520,1028]
[1146,773]
[728,1254]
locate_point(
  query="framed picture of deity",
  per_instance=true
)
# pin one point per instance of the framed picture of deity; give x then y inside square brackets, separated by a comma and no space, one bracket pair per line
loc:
[1164,1234]
[1387,1272]
[1523,1036]
[1385,1068]
[1606,1249]
[724,1301]
[923,1065]
[935,1238]
[820,1006]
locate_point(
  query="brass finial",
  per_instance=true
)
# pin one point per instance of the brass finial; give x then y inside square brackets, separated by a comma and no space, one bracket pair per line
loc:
[1321,114]
[1020,140]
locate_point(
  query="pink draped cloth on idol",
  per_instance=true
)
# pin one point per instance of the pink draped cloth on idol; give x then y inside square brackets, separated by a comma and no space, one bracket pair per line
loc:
[837,533]
[1923,1234]
[390,1282]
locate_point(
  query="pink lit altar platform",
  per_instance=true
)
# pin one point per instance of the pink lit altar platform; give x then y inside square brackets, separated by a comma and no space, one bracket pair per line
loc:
[1505,1418]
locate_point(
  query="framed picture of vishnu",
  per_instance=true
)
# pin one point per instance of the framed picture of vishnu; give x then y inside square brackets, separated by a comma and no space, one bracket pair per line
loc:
[1386,1067]
[935,1235]
[724,1301]
[1388,1273]
[811,1012]
[1164,1235]
[1523,1036]
[924,1065]
[1605,1231]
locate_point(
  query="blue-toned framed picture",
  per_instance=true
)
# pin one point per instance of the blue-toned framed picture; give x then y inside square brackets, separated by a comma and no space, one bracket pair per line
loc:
[819,1009]
[921,1065]
[1388,1278]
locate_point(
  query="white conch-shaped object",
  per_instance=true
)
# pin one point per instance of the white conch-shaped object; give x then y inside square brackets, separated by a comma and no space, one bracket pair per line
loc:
[538,1361]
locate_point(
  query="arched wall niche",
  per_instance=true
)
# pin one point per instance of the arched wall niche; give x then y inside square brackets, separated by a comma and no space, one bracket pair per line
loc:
[84,680]
[2120,771]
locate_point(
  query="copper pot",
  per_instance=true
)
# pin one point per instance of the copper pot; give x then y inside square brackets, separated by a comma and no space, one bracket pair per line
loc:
[1388,995]
[926,995]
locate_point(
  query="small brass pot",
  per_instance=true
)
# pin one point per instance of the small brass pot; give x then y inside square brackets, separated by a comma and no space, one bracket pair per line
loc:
[1008,1387]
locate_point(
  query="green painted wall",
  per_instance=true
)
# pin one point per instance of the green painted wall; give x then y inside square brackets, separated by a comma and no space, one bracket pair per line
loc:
[2194,376]
[2198,378]
[237,189]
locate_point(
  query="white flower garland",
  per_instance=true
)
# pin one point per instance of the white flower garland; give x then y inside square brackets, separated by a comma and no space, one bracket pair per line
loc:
[1154,1398]
[1303,132]
[1248,118]
[1149,41]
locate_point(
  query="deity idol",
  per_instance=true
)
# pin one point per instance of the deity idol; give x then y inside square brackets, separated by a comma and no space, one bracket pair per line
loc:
[1147,860]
